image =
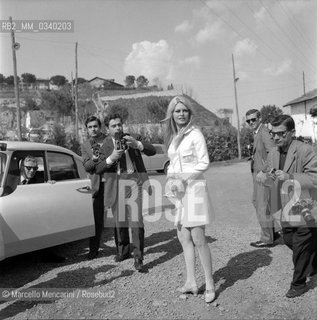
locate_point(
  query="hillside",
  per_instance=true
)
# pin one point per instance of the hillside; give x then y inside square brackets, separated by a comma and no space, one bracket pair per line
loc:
[152,108]
[144,106]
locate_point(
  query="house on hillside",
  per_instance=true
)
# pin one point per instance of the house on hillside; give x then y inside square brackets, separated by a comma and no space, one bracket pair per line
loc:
[40,84]
[299,109]
[108,84]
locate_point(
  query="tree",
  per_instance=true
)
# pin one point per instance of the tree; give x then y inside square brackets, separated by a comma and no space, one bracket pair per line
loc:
[157,109]
[2,78]
[58,80]
[121,110]
[170,87]
[30,103]
[129,81]
[269,112]
[28,78]
[141,82]
[10,80]
[79,80]
[58,101]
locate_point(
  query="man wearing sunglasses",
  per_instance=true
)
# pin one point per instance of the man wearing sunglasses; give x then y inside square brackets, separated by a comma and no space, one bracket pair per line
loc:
[295,177]
[29,174]
[263,143]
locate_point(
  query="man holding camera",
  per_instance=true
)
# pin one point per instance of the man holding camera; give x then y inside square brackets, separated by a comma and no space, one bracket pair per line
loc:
[90,154]
[295,178]
[121,162]
[263,142]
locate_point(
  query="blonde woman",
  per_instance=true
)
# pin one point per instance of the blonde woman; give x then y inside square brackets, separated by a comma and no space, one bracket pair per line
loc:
[188,155]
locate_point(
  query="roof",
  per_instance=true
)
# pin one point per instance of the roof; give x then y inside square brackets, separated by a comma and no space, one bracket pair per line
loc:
[305,97]
[97,78]
[35,146]
[108,80]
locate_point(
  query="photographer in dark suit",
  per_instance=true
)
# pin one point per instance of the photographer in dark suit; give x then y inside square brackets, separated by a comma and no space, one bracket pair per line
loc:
[121,161]
[90,154]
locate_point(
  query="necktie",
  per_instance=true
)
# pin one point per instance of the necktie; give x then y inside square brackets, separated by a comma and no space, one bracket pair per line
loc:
[123,163]
[126,164]
[24,181]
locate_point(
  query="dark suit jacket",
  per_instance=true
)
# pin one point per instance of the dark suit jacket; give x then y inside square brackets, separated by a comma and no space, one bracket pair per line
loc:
[38,178]
[111,170]
[90,167]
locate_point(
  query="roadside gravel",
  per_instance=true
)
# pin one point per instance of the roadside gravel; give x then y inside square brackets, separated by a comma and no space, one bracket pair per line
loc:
[251,283]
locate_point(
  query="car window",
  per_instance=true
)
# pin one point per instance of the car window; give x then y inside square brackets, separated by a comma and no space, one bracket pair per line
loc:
[61,166]
[159,149]
[3,161]
[14,174]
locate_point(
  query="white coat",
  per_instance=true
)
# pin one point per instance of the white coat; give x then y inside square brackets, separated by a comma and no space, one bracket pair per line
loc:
[191,157]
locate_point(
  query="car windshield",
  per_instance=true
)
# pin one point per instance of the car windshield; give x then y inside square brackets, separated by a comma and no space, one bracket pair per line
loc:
[3,161]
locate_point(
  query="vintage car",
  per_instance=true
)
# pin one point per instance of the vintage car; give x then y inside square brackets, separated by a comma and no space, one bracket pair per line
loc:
[55,211]
[159,162]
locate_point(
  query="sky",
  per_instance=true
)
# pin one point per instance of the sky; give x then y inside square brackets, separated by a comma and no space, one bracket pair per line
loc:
[189,43]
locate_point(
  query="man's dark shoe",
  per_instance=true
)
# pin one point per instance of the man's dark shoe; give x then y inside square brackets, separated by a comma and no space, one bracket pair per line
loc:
[118,258]
[261,244]
[92,255]
[278,238]
[292,293]
[138,264]
[277,235]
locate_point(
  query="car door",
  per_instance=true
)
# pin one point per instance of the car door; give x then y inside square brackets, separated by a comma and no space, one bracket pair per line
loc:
[147,162]
[158,161]
[41,215]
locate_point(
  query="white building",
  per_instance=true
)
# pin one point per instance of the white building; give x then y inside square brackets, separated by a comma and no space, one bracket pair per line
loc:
[299,109]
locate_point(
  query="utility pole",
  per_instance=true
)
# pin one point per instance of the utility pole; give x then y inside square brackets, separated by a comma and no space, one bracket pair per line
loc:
[76,93]
[304,88]
[15,46]
[237,109]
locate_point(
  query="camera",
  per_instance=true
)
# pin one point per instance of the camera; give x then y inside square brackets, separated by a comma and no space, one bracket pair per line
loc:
[304,207]
[308,217]
[272,173]
[95,151]
[121,142]
[95,147]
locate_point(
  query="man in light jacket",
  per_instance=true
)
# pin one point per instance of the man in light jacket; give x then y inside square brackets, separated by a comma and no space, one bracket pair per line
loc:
[295,178]
[263,142]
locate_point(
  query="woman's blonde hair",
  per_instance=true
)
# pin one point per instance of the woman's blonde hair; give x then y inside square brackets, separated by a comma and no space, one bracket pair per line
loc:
[171,127]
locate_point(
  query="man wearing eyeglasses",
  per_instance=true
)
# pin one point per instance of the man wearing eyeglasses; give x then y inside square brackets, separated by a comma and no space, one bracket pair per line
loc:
[295,177]
[29,173]
[263,143]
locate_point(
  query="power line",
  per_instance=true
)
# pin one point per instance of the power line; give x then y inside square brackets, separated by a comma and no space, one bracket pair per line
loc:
[282,30]
[260,39]
[296,28]
[238,33]
[297,23]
